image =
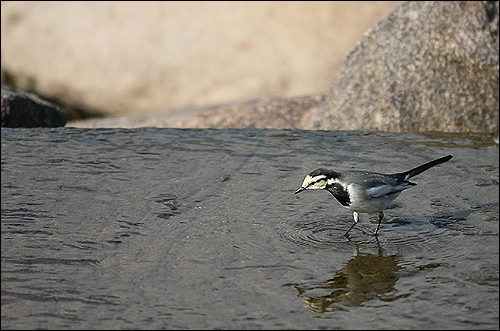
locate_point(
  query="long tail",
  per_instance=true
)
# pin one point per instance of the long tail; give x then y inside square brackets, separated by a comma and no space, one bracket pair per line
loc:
[418,170]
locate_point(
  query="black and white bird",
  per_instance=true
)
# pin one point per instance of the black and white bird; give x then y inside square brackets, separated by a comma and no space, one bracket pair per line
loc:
[364,191]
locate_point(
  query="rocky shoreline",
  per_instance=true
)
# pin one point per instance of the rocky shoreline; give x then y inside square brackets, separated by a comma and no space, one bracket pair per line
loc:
[429,66]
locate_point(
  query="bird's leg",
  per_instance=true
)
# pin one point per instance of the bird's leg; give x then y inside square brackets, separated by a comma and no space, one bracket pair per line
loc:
[380,218]
[356,219]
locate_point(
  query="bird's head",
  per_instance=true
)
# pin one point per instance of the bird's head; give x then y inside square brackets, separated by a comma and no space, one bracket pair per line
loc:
[318,179]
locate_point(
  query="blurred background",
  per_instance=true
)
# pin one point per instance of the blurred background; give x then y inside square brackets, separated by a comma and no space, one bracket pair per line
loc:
[132,58]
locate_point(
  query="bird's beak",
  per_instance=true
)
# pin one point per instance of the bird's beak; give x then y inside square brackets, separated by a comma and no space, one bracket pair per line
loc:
[300,190]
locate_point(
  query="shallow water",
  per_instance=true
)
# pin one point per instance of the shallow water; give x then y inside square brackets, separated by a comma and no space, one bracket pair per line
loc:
[200,229]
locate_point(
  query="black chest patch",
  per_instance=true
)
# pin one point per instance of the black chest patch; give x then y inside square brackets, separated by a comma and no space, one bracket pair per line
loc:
[339,193]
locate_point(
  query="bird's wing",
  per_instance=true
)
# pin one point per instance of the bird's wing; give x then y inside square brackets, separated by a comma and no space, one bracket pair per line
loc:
[383,185]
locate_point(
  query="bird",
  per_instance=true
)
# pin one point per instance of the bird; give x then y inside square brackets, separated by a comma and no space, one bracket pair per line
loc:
[364,191]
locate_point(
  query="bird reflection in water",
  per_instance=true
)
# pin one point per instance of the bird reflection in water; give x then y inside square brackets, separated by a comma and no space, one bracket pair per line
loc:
[364,278]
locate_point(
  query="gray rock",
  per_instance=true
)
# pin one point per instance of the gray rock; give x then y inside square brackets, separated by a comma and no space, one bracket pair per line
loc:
[430,66]
[24,110]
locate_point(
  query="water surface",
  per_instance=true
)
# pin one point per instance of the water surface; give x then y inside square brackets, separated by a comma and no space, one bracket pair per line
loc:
[200,229]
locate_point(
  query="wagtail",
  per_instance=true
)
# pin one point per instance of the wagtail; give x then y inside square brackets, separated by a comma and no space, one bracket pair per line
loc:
[364,191]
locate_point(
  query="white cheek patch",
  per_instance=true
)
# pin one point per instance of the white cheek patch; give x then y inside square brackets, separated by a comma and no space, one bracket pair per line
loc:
[318,185]
[309,180]
[316,182]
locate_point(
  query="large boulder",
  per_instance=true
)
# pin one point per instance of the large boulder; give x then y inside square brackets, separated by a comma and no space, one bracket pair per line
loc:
[430,66]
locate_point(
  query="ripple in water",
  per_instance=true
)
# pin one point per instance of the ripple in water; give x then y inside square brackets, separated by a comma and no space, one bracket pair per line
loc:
[321,234]
[436,233]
